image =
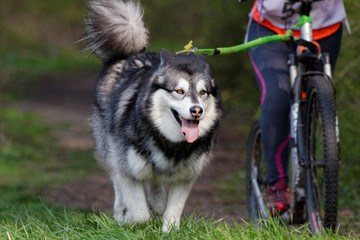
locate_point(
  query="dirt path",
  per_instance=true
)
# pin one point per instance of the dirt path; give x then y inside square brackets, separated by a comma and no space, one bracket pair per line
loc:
[67,99]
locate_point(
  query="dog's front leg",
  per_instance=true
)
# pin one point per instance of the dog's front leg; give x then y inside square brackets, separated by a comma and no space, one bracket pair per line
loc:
[130,205]
[178,193]
[157,197]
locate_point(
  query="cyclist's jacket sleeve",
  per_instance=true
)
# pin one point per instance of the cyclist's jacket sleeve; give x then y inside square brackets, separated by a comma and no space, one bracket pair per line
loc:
[280,15]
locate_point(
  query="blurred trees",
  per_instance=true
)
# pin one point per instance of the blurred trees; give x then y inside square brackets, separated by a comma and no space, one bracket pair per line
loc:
[38,27]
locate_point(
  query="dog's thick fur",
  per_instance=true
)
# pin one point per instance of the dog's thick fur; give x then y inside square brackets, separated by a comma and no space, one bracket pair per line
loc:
[155,119]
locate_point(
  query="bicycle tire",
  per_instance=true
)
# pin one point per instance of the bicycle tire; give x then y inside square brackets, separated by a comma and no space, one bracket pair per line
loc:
[322,154]
[255,168]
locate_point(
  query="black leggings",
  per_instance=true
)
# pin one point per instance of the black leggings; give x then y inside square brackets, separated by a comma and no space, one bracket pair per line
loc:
[271,70]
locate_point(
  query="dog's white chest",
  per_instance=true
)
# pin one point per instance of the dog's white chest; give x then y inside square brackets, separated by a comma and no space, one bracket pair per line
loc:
[161,169]
[140,168]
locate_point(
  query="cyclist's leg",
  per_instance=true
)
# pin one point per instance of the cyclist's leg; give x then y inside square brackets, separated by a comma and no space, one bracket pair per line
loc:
[331,45]
[270,65]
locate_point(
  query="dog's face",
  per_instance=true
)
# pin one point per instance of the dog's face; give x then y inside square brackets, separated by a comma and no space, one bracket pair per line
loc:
[184,107]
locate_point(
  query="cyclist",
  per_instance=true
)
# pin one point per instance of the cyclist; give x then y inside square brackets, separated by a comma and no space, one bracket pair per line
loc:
[269,62]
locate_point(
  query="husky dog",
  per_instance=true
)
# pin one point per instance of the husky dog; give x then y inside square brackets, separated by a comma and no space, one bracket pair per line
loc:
[155,119]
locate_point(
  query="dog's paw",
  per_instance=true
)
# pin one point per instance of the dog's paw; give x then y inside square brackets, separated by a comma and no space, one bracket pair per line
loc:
[126,217]
[119,215]
[168,228]
[170,224]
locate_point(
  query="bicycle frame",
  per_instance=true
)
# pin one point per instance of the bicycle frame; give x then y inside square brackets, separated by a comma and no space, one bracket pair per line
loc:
[297,186]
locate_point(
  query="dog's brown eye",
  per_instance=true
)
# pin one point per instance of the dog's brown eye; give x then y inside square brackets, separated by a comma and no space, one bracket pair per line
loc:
[180,91]
[202,92]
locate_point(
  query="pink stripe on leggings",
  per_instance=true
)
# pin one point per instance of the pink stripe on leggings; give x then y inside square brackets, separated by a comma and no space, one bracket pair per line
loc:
[262,81]
[278,157]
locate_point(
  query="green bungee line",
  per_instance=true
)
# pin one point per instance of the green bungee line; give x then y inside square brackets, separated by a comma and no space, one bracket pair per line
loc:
[234,49]
[189,48]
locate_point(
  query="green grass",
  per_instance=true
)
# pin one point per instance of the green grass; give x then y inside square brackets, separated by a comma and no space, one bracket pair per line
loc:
[28,157]
[30,162]
[36,220]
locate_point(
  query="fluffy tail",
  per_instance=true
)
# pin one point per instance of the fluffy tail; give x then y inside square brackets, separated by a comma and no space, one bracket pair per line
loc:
[115,29]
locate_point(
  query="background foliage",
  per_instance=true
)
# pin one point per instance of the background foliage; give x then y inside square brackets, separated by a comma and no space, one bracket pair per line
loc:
[38,39]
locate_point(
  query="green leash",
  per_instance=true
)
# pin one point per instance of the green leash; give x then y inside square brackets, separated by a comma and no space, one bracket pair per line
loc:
[189,48]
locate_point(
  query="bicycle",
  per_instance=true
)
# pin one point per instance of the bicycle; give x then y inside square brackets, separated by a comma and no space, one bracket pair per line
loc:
[315,151]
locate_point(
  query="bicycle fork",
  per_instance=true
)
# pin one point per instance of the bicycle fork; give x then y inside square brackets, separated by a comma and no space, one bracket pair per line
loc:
[297,189]
[258,194]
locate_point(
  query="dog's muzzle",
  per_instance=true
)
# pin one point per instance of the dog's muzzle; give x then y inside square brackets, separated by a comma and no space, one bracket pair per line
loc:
[189,127]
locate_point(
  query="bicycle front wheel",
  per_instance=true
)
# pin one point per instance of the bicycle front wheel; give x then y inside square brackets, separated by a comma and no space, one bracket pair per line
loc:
[256,176]
[322,154]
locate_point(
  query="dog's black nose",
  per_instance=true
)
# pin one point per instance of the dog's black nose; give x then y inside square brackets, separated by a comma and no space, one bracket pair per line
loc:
[196,111]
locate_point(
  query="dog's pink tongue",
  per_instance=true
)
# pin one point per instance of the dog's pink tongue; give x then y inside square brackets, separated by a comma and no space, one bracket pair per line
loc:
[190,129]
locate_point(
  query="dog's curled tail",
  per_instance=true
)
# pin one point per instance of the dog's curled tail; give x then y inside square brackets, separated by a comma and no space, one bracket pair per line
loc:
[115,29]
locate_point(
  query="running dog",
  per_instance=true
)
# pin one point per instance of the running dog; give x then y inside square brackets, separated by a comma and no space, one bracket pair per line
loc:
[155,118]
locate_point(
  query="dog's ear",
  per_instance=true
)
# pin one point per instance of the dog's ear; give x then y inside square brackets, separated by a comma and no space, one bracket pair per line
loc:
[213,84]
[165,56]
